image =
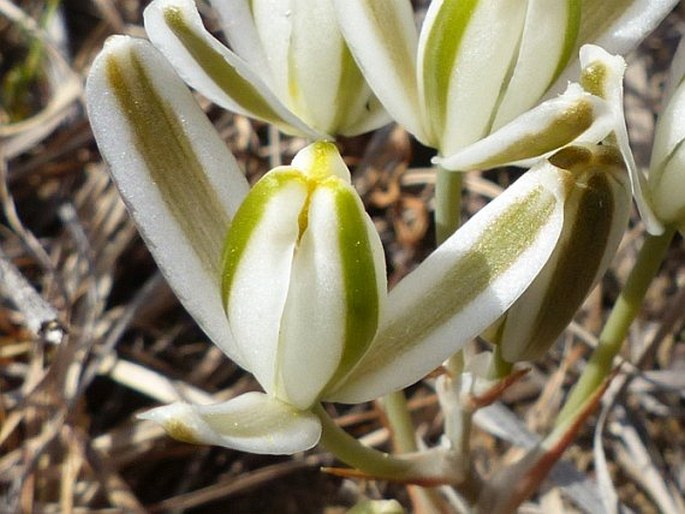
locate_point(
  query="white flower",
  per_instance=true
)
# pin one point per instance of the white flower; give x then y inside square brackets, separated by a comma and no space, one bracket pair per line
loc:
[289,64]
[667,169]
[302,268]
[596,214]
[475,66]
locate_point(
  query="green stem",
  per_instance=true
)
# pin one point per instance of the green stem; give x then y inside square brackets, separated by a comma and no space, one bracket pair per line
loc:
[447,203]
[399,418]
[499,368]
[616,328]
[357,455]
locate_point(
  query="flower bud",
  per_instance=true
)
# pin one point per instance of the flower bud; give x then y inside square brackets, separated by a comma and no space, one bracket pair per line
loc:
[304,276]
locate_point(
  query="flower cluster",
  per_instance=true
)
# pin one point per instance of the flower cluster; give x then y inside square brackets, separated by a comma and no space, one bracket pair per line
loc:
[288,277]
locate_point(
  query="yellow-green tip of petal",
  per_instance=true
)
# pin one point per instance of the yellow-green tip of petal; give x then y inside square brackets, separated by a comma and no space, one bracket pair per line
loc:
[321,160]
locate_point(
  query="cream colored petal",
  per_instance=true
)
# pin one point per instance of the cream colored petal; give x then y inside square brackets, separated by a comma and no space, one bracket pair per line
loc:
[547,44]
[175,28]
[382,37]
[252,422]
[595,219]
[602,75]
[576,116]
[460,289]
[179,181]
[460,93]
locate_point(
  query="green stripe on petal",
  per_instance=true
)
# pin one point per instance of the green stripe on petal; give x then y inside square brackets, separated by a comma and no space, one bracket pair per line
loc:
[216,67]
[573,116]
[382,37]
[179,181]
[247,219]
[502,243]
[359,278]
[440,55]
[595,217]
[258,261]
[331,312]
[149,116]
[464,286]
[176,29]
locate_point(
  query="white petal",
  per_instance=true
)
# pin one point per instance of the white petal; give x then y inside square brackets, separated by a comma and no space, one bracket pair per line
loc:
[375,117]
[179,181]
[676,73]
[610,87]
[260,276]
[546,46]
[382,37]
[461,94]
[595,219]
[460,289]
[252,422]
[576,116]
[241,32]
[618,26]
[316,64]
[313,326]
[667,184]
[667,169]
[670,130]
[175,28]
[335,296]
[272,19]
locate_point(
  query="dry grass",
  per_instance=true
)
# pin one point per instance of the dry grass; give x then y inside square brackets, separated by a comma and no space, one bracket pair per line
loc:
[90,334]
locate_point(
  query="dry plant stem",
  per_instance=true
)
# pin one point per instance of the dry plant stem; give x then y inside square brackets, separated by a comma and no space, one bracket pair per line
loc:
[616,328]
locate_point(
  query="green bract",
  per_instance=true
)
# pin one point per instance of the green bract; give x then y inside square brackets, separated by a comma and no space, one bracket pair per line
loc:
[296,294]
[288,65]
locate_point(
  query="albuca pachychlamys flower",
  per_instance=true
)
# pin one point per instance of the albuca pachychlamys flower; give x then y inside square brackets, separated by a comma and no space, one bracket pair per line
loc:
[595,217]
[477,65]
[296,292]
[288,65]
